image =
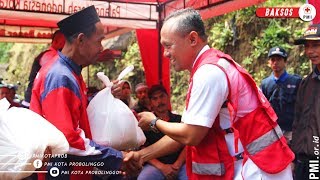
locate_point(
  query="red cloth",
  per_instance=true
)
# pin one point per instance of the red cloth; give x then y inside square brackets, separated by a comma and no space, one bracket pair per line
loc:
[148,40]
[316,4]
[50,54]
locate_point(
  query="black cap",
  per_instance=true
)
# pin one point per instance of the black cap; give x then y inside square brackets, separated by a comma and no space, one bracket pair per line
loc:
[311,34]
[78,21]
[278,51]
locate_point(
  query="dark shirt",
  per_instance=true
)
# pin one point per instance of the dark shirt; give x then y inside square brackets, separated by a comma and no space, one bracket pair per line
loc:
[281,94]
[306,126]
[153,137]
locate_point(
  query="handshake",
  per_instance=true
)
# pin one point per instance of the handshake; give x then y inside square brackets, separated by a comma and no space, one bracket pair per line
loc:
[132,164]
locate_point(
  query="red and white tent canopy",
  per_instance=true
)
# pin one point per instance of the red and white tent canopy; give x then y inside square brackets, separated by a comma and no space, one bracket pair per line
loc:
[38,18]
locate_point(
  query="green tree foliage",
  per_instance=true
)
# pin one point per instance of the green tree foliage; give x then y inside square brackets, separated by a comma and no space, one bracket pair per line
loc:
[20,62]
[179,87]
[220,35]
[132,57]
[4,52]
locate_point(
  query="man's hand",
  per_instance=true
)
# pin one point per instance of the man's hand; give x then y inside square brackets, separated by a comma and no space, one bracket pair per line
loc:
[116,89]
[145,119]
[168,171]
[132,163]
[175,166]
[46,154]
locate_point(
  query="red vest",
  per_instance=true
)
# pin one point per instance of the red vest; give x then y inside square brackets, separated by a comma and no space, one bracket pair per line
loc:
[258,131]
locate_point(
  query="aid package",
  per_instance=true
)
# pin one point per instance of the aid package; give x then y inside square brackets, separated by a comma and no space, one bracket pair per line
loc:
[111,121]
[24,137]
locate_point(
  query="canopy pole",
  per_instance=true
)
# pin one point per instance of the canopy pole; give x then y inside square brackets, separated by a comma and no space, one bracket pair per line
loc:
[159,25]
[88,77]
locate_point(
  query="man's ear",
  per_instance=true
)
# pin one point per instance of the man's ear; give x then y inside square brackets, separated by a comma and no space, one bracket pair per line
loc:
[193,37]
[80,38]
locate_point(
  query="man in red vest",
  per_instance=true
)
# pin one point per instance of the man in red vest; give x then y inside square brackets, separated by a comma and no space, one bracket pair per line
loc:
[228,125]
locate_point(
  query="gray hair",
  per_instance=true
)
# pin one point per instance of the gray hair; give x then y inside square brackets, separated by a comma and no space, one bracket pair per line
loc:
[188,20]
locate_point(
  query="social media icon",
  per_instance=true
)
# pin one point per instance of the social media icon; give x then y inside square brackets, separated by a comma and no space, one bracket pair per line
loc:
[37,163]
[54,172]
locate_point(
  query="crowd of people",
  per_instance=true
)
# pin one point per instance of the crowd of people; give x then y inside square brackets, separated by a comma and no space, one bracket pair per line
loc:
[230,128]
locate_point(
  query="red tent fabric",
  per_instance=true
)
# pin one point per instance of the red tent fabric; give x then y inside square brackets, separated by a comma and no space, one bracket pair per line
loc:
[148,41]
[316,4]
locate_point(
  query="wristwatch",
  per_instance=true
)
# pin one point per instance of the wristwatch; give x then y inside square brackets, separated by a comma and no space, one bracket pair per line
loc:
[153,125]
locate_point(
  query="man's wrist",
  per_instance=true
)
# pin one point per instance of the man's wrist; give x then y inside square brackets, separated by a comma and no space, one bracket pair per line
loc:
[153,125]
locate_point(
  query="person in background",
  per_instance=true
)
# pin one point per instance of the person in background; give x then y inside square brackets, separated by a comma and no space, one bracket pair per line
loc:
[126,94]
[228,125]
[280,88]
[143,99]
[58,41]
[8,91]
[12,96]
[4,91]
[59,95]
[171,166]
[306,124]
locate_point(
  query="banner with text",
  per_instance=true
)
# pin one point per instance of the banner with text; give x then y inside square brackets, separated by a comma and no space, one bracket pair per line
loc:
[111,13]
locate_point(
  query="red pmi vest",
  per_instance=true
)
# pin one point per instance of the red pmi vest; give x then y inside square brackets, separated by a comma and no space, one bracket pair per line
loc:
[258,131]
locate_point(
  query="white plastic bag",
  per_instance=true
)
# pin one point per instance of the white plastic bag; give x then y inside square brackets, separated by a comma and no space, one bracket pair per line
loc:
[111,121]
[24,136]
